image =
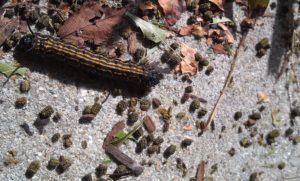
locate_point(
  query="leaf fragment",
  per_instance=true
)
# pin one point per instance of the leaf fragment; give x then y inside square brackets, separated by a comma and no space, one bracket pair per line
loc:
[121,136]
[172,10]
[218,3]
[262,97]
[274,115]
[9,70]
[257,8]
[150,31]
[188,63]
[217,20]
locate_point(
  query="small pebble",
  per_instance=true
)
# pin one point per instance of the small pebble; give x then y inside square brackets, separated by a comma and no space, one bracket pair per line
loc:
[46,112]
[209,70]
[101,170]
[121,107]
[145,105]
[289,132]
[55,137]
[52,164]
[245,142]
[254,177]
[281,165]
[25,86]
[84,144]
[155,103]
[21,102]
[87,177]
[169,151]
[158,140]
[237,115]
[186,142]
[33,167]
[255,116]
[95,109]
[231,152]
[57,116]
[195,104]
[64,165]
[270,138]
[67,142]
[188,89]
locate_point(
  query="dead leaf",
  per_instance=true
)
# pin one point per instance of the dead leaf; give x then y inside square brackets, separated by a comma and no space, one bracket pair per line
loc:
[148,5]
[218,48]
[187,127]
[114,130]
[188,63]
[7,28]
[196,30]
[132,43]
[209,42]
[88,21]
[200,171]
[218,3]
[186,30]
[172,10]
[228,36]
[213,32]
[262,97]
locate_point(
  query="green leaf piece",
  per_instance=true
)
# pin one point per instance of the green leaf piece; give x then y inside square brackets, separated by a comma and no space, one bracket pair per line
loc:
[9,70]
[121,136]
[220,20]
[106,162]
[150,31]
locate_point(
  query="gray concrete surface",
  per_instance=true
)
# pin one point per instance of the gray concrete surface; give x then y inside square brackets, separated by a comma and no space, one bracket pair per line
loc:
[71,90]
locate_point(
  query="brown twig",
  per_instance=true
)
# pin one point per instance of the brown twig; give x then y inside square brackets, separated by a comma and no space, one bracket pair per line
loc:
[228,79]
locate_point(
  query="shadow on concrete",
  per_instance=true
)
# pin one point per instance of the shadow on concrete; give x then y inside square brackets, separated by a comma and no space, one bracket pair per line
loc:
[280,38]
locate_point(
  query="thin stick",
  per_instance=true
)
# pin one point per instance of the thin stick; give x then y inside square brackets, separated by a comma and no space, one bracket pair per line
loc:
[227,81]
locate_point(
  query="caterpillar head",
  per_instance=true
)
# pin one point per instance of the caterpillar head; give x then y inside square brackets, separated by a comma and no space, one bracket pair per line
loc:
[27,43]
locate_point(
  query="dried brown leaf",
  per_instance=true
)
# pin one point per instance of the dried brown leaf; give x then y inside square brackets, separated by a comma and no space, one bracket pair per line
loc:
[196,30]
[188,63]
[172,10]
[200,171]
[7,27]
[218,3]
[88,21]
[114,130]
[228,36]
[218,48]
[132,43]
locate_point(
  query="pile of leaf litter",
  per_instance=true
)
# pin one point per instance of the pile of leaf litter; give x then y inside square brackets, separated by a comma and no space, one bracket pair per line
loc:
[101,27]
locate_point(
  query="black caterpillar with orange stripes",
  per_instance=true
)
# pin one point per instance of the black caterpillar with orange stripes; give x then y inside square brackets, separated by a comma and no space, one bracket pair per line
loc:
[91,61]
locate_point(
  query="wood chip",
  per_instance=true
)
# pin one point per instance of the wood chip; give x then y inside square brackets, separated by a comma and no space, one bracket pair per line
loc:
[187,127]
[132,43]
[149,124]
[124,159]
[262,97]
[200,171]
[157,166]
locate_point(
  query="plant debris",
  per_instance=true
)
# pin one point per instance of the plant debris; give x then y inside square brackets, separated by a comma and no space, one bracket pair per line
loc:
[8,70]
[94,22]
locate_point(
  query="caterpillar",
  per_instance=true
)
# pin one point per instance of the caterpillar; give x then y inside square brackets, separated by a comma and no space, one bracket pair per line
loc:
[91,61]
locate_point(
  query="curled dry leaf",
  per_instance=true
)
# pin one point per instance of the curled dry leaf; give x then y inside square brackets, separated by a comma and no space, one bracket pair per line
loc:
[218,3]
[188,63]
[8,26]
[262,97]
[172,10]
[196,30]
[87,21]
[228,36]
[218,48]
